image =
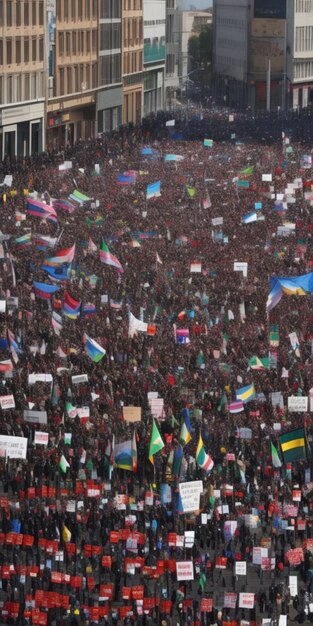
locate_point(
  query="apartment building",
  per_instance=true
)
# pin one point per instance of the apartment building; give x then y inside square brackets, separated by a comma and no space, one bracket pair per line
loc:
[154,13]
[22,77]
[110,94]
[72,27]
[171,65]
[132,60]
[299,51]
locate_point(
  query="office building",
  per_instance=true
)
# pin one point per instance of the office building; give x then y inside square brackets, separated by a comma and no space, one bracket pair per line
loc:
[154,55]
[132,60]
[110,94]
[171,64]
[22,77]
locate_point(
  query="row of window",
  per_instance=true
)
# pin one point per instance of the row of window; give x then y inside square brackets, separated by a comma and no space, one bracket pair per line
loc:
[110,9]
[232,22]
[76,10]
[71,43]
[21,13]
[77,78]
[21,50]
[132,62]
[110,36]
[304,6]
[304,39]
[23,87]
[132,5]
[303,69]
[110,69]
[154,22]
[132,31]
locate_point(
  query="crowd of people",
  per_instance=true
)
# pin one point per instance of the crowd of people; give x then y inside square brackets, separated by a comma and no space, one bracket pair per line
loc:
[165,259]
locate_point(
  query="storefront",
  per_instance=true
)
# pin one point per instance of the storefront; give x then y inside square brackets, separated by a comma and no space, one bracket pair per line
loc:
[22,130]
[64,129]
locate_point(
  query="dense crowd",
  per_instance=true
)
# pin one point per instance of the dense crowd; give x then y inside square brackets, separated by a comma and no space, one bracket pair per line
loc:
[82,540]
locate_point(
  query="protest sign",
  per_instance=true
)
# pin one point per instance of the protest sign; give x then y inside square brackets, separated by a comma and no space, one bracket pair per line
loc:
[241,267]
[13,447]
[184,570]
[35,417]
[190,495]
[132,413]
[41,438]
[298,404]
[246,600]
[7,402]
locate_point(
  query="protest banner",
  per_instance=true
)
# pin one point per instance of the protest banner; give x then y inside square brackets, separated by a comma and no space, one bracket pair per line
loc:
[190,495]
[13,447]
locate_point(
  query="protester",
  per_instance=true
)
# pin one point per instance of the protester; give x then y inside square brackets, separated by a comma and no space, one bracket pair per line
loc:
[144,345]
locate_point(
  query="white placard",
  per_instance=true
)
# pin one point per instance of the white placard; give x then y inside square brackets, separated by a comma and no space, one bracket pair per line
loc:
[293,586]
[39,378]
[80,378]
[35,417]
[184,570]
[189,538]
[259,554]
[7,402]
[3,304]
[241,568]
[41,438]
[13,447]
[246,600]
[83,411]
[241,267]
[217,221]
[267,178]
[282,620]
[298,404]
[190,495]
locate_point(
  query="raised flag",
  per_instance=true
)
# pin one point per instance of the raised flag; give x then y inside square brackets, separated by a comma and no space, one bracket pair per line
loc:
[44,290]
[178,455]
[259,364]
[156,442]
[56,322]
[276,462]
[186,430]
[249,218]
[191,191]
[108,258]
[203,459]
[93,349]
[40,209]
[63,464]
[62,256]
[293,445]
[182,335]
[6,366]
[134,453]
[123,455]
[23,242]
[153,190]
[245,394]
[236,407]
[71,307]
[61,272]
[136,325]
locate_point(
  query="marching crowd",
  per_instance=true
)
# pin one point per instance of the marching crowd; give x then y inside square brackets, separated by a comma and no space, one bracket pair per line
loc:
[84,538]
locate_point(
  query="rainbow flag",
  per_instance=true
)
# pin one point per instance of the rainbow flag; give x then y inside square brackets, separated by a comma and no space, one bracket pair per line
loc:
[93,349]
[245,394]
[23,242]
[65,205]
[79,197]
[71,307]
[44,290]
[108,258]
[236,406]
[203,459]
[66,255]
[89,309]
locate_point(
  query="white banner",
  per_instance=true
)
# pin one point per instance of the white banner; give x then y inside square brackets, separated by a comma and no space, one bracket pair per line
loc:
[298,404]
[184,570]
[7,402]
[35,417]
[190,495]
[241,568]
[41,438]
[246,600]
[13,447]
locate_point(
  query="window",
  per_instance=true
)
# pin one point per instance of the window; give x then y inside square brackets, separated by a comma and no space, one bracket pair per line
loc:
[10,89]
[65,8]
[61,81]
[26,14]
[1,12]
[110,69]
[74,42]
[41,13]
[26,50]
[110,36]
[9,51]
[34,49]
[26,87]
[18,87]
[80,10]
[61,48]
[9,14]
[41,49]
[69,80]
[18,14]
[18,53]
[73,10]
[34,13]
[88,41]
[68,43]
[33,85]
[1,52]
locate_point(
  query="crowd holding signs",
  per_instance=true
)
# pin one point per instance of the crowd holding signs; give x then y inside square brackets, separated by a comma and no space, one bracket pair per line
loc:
[156,341]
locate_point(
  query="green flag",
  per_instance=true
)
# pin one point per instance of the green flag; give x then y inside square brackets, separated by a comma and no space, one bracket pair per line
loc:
[156,442]
[276,462]
[63,464]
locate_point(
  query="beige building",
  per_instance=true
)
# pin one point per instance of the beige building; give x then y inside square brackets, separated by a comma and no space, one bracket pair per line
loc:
[132,60]
[22,76]
[72,30]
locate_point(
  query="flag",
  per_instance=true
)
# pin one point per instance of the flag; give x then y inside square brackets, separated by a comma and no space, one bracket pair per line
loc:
[156,442]
[6,366]
[71,411]
[62,256]
[65,205]
[259,364]
[135,325]
[274,336]
[91,246]
[178,455]
[42,242]
[124,179]
[203,459]
[134,453]
[79,197]
[293,445]
[208,143]
[61,272]
[245,394]
[44,290]
[249,218]
[243,183]
[63,464]
[236,407]
[93,349]
[191,191]
[173,157]
[153,190]
[202,581]
[89,309]
[291,286]
[71,307]
[108,258]
[186,430]
[247,171]
[181,335]
[40,209]
[223,402]
[14,347]
[23,242]
[276,462]
[123,455]
[56,322]
[158,260]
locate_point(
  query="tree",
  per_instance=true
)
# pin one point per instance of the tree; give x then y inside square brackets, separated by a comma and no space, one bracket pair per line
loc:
[206,44]
[194,52]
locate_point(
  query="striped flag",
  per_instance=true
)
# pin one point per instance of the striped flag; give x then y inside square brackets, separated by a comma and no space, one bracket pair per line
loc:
[293,445]
[186,430]
[245,394]
[93,349]
[108,258]
[236,407]
[23,242]
[62,256]
[44,290]
[276,462]
[203,459]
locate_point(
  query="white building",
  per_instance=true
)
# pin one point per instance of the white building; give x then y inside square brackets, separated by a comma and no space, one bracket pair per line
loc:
[154,15]
[300,52]
[187,24]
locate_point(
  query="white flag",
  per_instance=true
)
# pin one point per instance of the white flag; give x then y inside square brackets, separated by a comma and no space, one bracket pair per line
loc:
[136,325]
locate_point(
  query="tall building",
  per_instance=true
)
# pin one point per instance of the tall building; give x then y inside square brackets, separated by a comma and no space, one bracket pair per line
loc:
[188,23]
[171,65]
[110,94]
[72,28]
[154,13]
[22,77]
[300,53]
[132,60]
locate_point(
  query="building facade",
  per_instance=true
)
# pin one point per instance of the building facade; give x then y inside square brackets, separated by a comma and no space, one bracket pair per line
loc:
[154,55]
[299,53]
[110,94]
[171,64]
[132,60]
[188,23]
[22,77]
[72,28]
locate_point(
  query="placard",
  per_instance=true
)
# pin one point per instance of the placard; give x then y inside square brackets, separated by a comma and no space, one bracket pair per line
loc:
[184,570]
[80,378]
[298,404]
[7,402]
[13,447]
[41,438]
[39,378]
[241,568]
[241,267]
[293,586]
[267,178]
[246,600]
[132,413]
[190,495]
[35,417]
